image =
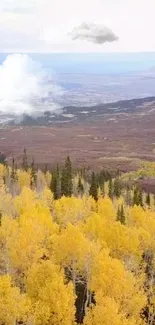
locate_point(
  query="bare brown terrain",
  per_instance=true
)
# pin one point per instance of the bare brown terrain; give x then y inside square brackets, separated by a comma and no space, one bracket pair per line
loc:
[118,141]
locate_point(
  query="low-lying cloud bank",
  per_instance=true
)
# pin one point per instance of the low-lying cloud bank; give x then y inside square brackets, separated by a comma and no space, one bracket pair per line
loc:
[25,88]
[94,33]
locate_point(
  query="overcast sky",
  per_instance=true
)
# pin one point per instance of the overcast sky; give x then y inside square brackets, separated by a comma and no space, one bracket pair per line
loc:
[43,25]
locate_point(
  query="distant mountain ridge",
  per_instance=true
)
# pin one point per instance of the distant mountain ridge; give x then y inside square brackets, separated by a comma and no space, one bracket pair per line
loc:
[75,114]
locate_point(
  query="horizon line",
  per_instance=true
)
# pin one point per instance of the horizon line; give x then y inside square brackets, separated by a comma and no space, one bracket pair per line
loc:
[79,53]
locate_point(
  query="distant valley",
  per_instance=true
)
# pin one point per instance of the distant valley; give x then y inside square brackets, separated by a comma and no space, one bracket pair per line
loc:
[75,114]
[115,135]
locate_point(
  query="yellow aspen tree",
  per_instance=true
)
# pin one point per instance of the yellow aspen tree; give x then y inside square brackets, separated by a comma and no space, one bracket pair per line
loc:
[72,209]
[52,299]
[23,179]
[14,307]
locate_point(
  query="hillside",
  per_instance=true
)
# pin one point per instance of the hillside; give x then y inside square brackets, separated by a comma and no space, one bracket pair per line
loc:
[75,114]
[74,259]
[120,139]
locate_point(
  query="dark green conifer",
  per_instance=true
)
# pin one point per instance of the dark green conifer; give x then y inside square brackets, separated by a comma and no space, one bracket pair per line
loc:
[66,179]
[110,189]
[33,175]
[135,196]
[138,197]
[25,161]
[13,175]
[80,187]
[2,159]
[148,200]
[53,182]
[128,197]
[117,188]
[121,215]
[118,214]
[56,183]
[93,191]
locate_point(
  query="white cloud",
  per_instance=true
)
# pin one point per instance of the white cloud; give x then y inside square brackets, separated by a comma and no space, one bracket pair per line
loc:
[26,88]
[46,23]
[98,34]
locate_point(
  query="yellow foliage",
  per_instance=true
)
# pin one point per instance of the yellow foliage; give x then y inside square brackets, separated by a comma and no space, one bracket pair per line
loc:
[107,311]
[144,221]
[6,202]
[23,179]
[121,240]
[70,247]
[30,233]
[116,282]
[52,299]
[73,209]
[106,208]
[14,306]
[54,250]
[47,198]
[2,170]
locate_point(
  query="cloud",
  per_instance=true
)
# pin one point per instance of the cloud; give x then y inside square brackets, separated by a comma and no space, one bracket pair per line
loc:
[94,33]
[25,88]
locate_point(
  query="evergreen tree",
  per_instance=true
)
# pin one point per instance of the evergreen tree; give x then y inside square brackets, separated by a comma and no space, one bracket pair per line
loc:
[117,188]
[2,159]
[66,179]
[53,183]
[128,196]
[110,188]
[118,214]
[7,174]
[80,187]
[33,175]
[13,175]
[14,179]
[93,191]
[101,178]
[138,197]
[135,196]
[25,161]
[121,215]
[56,183]
[148,200]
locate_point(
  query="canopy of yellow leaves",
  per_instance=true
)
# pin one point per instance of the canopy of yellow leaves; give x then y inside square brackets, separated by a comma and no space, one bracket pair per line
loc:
[48,247]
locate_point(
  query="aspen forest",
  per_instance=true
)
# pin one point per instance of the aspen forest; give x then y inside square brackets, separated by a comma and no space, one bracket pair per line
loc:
[76,247]
[77,162]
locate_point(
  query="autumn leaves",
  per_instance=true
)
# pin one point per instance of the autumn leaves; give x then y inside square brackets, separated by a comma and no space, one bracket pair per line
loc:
[71,260]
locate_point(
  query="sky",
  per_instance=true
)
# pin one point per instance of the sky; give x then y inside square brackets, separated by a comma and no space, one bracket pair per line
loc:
[36,26]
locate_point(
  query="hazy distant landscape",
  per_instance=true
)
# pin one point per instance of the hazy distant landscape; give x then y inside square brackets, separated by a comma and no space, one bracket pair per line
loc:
[53,82]
[96,107]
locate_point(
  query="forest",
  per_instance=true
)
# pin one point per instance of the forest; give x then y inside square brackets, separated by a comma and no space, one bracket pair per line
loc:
[75,247]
